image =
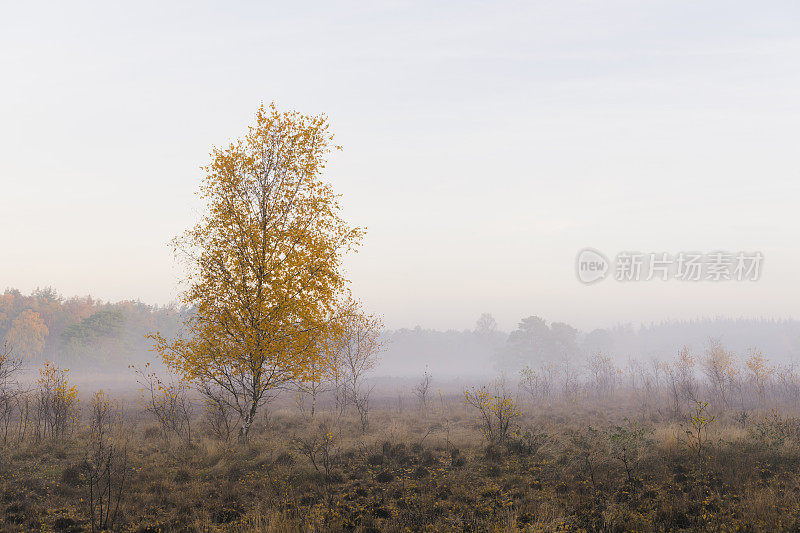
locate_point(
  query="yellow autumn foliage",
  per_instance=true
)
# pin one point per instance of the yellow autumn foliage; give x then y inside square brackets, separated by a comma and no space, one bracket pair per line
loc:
[265,263]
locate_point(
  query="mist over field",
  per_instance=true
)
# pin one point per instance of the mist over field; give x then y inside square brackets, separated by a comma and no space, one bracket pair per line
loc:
[103,339]
[399,266]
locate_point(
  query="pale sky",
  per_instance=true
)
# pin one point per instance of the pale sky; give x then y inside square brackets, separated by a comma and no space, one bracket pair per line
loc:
[485,144]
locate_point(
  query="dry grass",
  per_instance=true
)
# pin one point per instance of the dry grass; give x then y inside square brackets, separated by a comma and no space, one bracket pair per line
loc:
[416,471]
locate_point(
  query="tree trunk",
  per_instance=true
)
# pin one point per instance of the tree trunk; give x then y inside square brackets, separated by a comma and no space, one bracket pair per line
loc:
[247,422]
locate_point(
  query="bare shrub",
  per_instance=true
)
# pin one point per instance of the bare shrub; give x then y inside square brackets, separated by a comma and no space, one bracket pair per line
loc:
[626,445]
[105,416]
[681,381]
[169,403]
[107,470]
[355,353]
[9,389]
[760,374]
[422,390]
[720,369]
[106,463]
[603,375]
[535,384]
[218,412]
[318,447]
[589,447]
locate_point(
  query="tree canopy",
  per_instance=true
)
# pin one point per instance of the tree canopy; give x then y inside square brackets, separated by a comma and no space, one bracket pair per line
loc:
[265,263]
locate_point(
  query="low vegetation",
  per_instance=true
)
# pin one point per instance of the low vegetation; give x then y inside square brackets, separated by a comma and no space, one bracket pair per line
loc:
[610,450]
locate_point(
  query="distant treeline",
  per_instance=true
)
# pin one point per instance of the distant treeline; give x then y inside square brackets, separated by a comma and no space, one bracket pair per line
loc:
[81,332]
[484,349]
[89,333]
